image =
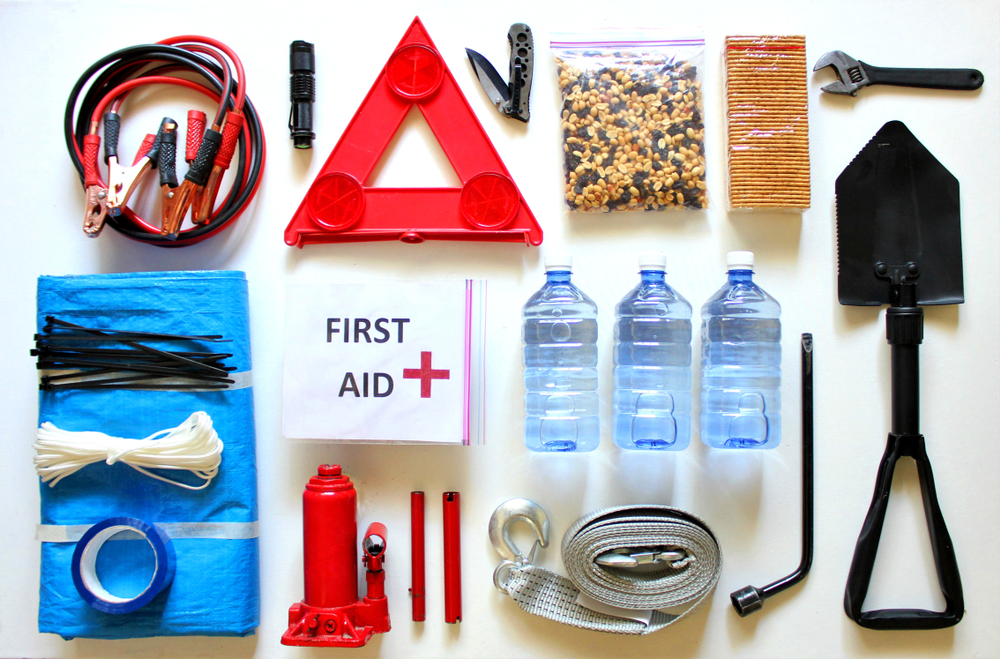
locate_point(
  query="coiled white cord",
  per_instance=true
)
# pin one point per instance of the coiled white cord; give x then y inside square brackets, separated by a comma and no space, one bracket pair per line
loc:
[193,446]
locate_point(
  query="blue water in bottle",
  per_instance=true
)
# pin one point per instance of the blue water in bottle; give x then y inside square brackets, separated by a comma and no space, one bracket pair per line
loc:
[560,364]
[653,363]
[741,362]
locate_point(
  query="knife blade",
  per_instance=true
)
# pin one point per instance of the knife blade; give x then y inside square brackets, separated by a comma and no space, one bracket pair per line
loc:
[494,86]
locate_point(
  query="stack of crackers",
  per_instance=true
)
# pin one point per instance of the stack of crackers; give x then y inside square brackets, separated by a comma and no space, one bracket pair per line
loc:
[767,121]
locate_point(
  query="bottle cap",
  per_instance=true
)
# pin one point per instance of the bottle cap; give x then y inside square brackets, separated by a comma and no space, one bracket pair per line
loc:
[653,261]
[739,261]
[558,261]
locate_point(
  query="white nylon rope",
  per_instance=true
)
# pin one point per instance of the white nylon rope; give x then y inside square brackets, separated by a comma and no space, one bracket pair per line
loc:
[193,446]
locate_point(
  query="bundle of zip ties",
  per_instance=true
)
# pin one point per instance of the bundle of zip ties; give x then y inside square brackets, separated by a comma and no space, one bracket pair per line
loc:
[193,446]
[67,354]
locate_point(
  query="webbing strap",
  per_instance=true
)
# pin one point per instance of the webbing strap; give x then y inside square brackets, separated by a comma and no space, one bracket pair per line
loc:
[680,585]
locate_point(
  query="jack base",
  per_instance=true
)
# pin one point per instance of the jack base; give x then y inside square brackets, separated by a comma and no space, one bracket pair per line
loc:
[339,627]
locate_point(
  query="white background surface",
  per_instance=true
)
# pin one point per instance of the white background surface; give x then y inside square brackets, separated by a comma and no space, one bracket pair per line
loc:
[750,499]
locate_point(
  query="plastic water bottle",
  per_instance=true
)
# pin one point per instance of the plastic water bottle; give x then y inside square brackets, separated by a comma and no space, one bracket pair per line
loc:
[741,362]
[653,363]
[560,364]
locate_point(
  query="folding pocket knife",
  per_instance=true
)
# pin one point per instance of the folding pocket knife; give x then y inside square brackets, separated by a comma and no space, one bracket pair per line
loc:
[511,97]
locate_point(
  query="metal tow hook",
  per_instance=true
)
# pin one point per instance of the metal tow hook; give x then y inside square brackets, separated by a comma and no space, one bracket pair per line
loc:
[506,514]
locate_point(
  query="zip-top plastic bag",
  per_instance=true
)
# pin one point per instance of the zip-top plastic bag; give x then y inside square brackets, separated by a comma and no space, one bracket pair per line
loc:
[632,119]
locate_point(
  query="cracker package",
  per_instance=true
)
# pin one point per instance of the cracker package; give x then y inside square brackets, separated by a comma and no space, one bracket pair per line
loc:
[767,123]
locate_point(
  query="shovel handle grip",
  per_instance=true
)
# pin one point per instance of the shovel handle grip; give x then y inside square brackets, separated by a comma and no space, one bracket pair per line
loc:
[949,579]
[961,79]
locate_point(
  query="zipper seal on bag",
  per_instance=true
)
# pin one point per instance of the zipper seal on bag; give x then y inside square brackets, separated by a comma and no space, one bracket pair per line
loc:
[622,39]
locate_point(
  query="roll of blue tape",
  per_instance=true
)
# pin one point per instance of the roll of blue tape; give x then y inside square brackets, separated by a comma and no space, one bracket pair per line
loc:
[85,564]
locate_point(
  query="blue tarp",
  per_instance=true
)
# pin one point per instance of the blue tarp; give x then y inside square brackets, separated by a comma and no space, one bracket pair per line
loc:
[216,589]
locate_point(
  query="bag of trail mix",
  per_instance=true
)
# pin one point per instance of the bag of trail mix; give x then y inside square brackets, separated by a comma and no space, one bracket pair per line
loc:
[632,120]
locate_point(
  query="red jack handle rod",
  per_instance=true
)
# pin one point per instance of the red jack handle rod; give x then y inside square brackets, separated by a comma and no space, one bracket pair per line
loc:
[452,559]
[417,591]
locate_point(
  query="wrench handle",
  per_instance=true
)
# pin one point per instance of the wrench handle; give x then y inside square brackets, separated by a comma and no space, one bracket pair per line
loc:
[963,79]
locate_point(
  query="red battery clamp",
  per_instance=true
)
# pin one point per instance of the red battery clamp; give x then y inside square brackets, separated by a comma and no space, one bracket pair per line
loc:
[339,207]
[331,615]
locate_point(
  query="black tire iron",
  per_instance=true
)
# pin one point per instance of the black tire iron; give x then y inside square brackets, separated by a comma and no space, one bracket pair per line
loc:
[749,599]
[900,243]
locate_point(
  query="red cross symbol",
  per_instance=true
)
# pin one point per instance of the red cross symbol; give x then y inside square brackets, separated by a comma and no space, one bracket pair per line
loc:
[425,374]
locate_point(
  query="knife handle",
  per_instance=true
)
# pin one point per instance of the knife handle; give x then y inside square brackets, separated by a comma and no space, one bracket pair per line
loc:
[963,79]
[522,64]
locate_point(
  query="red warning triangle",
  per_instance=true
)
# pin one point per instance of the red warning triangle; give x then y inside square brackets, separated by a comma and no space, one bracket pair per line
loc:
[488,206]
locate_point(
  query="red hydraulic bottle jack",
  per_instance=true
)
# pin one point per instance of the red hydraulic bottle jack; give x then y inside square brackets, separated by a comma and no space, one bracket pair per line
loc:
[331,615]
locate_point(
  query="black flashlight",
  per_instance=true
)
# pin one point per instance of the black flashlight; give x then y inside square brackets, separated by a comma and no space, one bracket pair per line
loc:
[302,62]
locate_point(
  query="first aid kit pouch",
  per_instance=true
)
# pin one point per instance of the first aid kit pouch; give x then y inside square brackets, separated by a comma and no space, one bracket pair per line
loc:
[210,535]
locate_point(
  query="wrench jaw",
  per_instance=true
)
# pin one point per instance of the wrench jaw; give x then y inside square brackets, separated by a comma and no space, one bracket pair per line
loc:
[850,71]
[840,88]
[836,58]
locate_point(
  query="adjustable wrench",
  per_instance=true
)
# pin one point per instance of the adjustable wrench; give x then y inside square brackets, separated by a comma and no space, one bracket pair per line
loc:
[854,75]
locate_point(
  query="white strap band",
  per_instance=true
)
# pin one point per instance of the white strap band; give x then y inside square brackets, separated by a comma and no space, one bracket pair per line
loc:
[680,585]
[176,530]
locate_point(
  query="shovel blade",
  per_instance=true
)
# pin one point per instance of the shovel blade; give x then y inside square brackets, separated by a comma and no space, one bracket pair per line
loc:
[896,204]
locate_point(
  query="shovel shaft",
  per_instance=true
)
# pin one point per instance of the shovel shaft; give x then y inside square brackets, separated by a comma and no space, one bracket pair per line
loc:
[904,330]
[906,389]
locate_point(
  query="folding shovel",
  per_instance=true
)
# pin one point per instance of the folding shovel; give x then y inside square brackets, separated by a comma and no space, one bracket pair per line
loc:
[899,243]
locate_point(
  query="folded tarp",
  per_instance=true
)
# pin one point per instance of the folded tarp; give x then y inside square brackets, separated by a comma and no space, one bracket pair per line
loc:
[215,588]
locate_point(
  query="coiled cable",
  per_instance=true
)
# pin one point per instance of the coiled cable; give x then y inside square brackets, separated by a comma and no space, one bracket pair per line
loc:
[203,57]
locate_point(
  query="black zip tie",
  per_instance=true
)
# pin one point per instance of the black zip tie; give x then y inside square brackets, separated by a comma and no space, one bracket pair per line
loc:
[130,356]
[92,368]
[174,357]
[48,386]
[138,368]
[52,320]
[49,347]
[122,336]
[78,374]
[138,387]
[139,346]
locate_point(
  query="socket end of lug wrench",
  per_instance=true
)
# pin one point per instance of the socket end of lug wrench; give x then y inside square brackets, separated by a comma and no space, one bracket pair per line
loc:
[747,600]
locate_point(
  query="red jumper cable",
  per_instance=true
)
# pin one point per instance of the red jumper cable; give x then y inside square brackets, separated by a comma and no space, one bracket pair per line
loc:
[201,185]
